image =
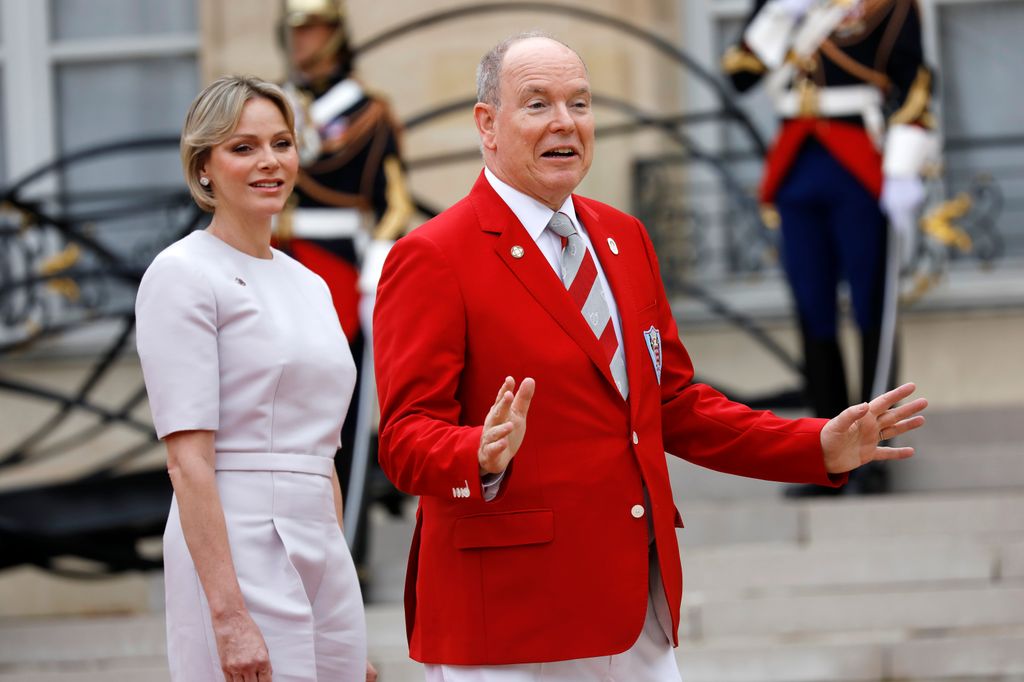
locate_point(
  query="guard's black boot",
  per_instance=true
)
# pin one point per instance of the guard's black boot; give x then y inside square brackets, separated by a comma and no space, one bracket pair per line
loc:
[870,479]
[869,346]
[826,395]
[825,377]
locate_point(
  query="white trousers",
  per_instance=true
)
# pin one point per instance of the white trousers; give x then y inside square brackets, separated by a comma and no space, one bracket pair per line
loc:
[296,575]
[650,659]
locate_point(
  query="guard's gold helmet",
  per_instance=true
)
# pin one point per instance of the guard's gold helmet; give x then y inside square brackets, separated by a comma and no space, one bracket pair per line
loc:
[299,13]
[303,12]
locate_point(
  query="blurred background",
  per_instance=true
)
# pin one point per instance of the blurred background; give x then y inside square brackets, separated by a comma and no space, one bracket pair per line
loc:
[926,583]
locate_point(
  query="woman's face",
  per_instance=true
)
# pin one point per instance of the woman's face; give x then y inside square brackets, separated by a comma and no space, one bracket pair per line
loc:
[253,171]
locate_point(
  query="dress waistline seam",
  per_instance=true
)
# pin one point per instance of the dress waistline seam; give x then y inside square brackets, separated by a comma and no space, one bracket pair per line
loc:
[275,461]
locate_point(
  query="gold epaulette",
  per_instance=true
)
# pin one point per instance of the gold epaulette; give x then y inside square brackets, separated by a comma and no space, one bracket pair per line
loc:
[939,223]
[915,106]
[739,60]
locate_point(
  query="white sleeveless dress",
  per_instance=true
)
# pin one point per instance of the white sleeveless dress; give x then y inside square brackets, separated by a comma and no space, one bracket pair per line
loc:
[252,349]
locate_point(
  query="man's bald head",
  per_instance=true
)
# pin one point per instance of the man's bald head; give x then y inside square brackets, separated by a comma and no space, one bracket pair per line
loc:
[488,72]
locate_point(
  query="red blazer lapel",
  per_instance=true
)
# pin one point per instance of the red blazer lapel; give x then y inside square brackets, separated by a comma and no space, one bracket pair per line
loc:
[533,271]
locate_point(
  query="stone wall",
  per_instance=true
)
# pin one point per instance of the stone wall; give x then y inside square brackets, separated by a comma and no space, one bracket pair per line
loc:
[436,65]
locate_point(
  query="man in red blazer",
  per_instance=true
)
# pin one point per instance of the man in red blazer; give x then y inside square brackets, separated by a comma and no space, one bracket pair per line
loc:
[555,544]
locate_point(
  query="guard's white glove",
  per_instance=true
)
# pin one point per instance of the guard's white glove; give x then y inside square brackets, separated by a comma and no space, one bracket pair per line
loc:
[901,200]
[770,36]
[795,8]
[373,263]
[369,274]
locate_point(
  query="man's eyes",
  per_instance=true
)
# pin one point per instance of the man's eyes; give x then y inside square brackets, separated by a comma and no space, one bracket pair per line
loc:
[581,104]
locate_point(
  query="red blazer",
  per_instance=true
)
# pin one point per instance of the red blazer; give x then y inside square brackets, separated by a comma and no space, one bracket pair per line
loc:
[556,566]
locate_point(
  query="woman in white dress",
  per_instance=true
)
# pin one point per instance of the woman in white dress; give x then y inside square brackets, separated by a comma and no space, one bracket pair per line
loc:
[249,378]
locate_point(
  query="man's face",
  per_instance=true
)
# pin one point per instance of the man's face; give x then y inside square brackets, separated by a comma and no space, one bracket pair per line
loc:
[540,139]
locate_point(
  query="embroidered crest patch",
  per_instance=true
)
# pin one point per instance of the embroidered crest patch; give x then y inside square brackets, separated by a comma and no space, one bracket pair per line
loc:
[653,338]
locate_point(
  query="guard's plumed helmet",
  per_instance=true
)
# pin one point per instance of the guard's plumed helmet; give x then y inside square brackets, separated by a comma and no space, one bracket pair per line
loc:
[298,13]
[302,12]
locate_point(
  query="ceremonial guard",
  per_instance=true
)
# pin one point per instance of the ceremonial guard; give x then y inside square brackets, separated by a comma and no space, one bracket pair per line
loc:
[350,203]
[849,82]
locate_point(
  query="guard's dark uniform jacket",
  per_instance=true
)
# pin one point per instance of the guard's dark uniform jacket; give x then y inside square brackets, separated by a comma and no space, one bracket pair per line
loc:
[849,83]
[351,190]
[350,203]
[871,64]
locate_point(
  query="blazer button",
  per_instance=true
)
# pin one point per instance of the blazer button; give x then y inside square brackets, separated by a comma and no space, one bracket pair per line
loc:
[636,439]
[637,511]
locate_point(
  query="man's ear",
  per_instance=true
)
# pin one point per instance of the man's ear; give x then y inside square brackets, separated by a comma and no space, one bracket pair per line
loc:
[485,116]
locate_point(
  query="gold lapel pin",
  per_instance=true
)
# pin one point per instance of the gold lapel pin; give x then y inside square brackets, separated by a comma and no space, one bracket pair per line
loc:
[517,251]
[613,246]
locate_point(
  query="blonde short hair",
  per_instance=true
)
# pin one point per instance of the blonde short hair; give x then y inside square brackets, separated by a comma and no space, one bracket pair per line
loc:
[212,118]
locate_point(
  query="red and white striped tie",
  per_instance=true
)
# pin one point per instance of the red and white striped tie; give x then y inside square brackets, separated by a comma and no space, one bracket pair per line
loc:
[579,275]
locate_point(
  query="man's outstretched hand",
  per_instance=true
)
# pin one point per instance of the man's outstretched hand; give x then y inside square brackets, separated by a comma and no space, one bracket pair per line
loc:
[853,437]
[505,426]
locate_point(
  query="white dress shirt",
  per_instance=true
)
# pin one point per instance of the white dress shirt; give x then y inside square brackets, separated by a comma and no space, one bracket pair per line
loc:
[535,217]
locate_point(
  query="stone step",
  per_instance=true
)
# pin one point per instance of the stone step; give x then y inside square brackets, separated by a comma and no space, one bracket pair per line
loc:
[64,640]
[781,662]
[31,591]
[727,522]
[966,427]
[692,482]
[58,640]
[908,612]
[995,658]
[961,449]
[829,565]
[110,653]
[84,672]
[1012,564]
[994,466]
[389,553]
[984,515]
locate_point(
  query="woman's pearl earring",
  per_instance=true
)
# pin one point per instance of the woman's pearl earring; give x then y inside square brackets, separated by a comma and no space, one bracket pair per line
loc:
[204,181]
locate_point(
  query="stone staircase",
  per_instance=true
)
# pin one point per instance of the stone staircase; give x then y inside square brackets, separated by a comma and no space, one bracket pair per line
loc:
[924,585]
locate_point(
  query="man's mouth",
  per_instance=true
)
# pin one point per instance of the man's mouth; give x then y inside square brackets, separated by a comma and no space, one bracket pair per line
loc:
[560,153]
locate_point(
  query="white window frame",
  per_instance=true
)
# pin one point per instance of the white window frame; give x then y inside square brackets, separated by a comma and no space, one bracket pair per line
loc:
[29,59]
